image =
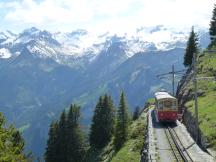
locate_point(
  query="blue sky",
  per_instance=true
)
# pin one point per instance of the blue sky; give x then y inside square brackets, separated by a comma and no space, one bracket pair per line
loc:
[116,16]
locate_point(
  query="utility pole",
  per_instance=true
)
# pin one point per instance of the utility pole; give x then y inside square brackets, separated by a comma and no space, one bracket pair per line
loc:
[172,73]
[195,95]
[173,79]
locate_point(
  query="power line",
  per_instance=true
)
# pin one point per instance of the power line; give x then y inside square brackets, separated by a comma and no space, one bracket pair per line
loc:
[172,73]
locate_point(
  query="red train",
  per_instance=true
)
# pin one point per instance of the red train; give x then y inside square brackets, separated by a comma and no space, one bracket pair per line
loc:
[166,108]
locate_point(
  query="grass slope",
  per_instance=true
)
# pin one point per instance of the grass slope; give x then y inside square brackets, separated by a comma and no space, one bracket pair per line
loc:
[207,98]
[130,152]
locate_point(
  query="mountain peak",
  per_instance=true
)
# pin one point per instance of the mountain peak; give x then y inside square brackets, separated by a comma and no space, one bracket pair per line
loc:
[31,30]
[37,35]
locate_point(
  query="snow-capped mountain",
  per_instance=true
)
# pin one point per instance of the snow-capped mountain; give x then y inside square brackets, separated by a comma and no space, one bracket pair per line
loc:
[34,34]
[144,39]
[80,44]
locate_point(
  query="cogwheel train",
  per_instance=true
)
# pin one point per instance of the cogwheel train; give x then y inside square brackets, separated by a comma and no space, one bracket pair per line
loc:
[166,109]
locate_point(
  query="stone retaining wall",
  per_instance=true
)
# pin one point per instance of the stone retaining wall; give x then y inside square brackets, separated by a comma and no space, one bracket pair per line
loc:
[189,122]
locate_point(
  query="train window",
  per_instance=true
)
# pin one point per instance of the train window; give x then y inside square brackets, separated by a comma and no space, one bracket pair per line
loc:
[167,103]
[174,104]
[160,105]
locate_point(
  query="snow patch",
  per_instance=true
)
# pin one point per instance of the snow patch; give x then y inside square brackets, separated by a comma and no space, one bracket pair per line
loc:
[5,53]
[42,51]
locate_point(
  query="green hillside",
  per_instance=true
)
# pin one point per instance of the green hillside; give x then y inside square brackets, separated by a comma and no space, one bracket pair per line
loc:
[130,152]
[207,98]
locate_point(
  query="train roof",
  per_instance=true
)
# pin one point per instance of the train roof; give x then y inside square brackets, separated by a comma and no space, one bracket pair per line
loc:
[163,95]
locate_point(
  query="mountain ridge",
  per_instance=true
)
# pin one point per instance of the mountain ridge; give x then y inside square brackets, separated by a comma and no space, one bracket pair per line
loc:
[80,43]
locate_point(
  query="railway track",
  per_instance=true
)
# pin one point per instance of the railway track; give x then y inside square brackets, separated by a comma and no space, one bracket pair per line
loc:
[179,151]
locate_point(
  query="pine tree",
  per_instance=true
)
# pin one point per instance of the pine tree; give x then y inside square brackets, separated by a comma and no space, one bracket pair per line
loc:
[18,141]
[107,121]
[121,130]
[136,113]
[102,125]
[66,142]
[73,115]
[51,150]
[75,140]
[62,139]
[112,115]
[192,47]
[95,126]
[212,29]
[11,143]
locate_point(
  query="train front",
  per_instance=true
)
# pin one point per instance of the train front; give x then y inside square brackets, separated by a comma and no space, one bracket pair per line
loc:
[166,107]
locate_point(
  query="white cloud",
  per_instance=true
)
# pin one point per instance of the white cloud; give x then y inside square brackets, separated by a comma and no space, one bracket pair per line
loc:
[48,11]
[113,15]
[177,12]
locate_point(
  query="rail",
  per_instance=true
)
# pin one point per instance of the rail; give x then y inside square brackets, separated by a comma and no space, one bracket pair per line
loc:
[184,150]
[179,148]
[176,152]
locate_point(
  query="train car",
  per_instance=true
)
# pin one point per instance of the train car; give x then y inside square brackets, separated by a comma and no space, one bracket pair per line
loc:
[166,109]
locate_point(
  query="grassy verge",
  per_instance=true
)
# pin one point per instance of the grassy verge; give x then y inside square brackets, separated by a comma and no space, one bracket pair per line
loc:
[130,152]
[151,101]
[206,99]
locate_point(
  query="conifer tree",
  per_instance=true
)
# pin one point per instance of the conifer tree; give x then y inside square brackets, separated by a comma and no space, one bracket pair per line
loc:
[51,150]
[192,47]
[112,114]
[73,115]
[102,123]
[95,126]
[212,29]
[122,123]
[107,121]
[136,113]
[11,143]
[75,140]
[66,142]
[62,139]
[18,141]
